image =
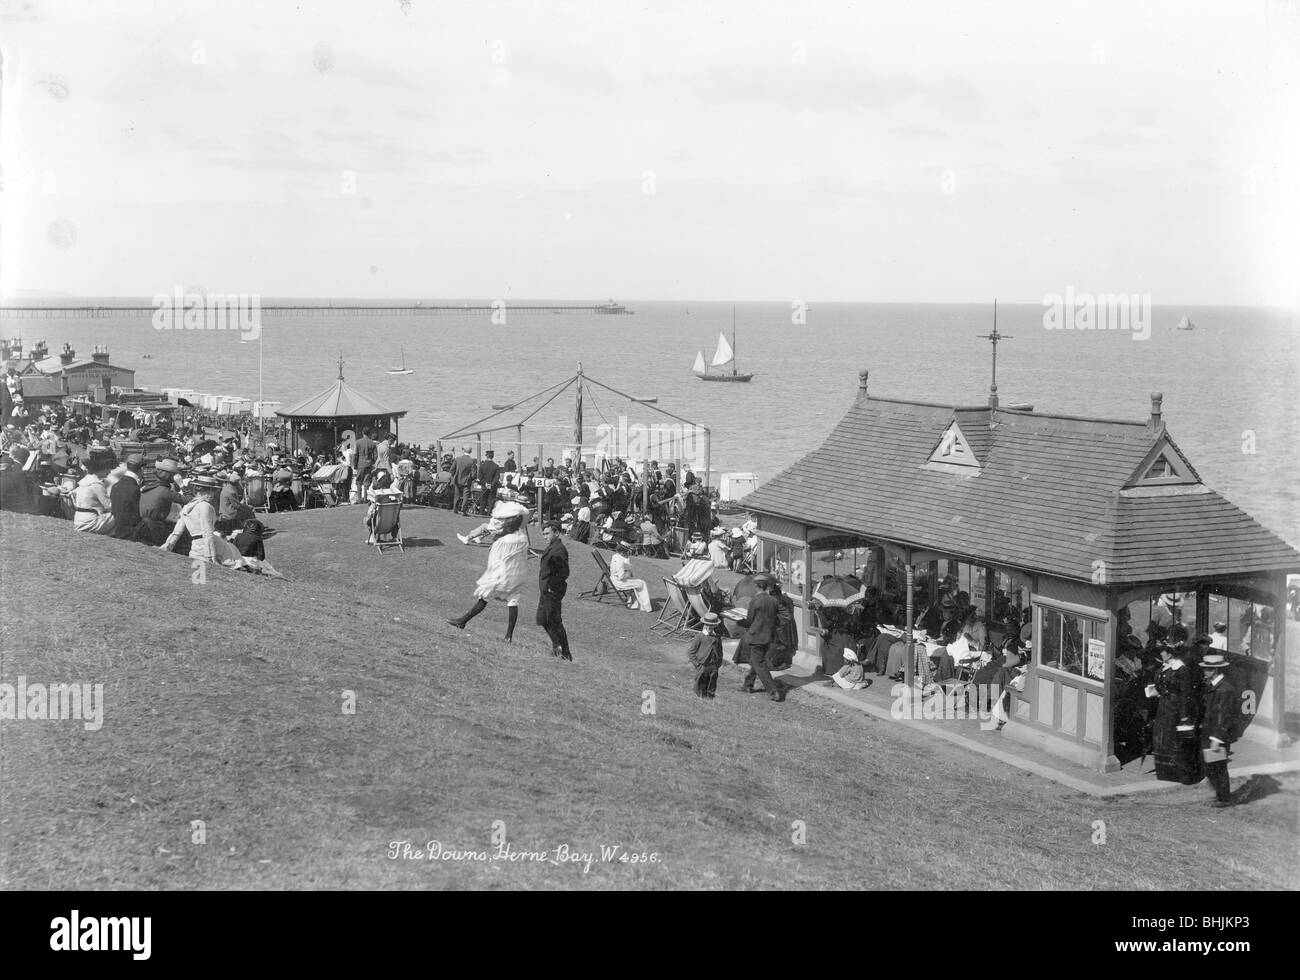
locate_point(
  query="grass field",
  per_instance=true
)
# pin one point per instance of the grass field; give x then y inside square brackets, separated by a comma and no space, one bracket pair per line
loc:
[225,704]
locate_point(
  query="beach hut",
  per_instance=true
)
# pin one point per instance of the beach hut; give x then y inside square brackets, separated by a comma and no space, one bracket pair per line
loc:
[1074,530]
[336,414]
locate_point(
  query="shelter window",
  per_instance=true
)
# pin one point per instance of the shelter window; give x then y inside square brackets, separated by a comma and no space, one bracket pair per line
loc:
[1010,608]
[786,565]
[1250,625]
[1162,609]
[1063,643]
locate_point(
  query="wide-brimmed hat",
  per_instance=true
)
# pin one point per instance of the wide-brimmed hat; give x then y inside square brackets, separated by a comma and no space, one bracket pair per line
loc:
[850,656]
[710,619]
[205,482]
[166,466]
[1214,661]
[762,578]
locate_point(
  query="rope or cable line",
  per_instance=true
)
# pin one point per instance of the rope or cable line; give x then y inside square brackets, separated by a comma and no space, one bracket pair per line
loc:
[591,395]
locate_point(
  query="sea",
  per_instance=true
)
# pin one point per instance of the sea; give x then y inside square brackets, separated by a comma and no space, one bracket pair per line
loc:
[1229,385]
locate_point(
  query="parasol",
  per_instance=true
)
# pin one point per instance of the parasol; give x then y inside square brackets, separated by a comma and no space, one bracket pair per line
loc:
[746,588]
[839,591]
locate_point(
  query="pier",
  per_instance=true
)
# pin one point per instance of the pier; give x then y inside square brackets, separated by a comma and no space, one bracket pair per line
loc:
[94,312]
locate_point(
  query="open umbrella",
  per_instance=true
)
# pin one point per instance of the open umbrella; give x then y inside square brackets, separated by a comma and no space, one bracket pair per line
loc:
[839,591]
[206,446]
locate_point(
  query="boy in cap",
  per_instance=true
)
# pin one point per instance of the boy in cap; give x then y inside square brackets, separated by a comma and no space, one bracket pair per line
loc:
[705,655]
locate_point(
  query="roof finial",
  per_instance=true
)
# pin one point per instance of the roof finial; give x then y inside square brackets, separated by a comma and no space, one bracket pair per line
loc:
[994,337]
[862,383]
[340,365]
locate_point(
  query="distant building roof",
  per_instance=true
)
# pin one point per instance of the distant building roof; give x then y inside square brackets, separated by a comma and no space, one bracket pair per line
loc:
[53,365]
[339,400]
[1088,499]
[40,386]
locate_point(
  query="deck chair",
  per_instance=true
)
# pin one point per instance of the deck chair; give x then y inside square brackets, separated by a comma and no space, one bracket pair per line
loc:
[605,585]
[388,525]
[675,612]
[255,494]
[652,545]
[678,538]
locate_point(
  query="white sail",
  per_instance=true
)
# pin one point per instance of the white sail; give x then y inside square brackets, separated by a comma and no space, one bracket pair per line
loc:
[699,363]
[725,355]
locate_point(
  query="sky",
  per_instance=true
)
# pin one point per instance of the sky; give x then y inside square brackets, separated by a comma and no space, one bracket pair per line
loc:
[816,151]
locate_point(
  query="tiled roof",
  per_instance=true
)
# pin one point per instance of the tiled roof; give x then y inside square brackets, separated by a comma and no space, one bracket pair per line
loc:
[1047,496]
[339,400]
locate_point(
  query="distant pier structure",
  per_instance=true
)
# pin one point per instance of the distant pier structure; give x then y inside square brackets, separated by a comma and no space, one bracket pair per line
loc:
[419,309]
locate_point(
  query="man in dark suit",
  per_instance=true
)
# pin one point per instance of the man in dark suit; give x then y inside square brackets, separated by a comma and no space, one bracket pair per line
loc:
[760,631]
[462,480]
[125,498]
[552,583]
[366,452]
[1221,705]
[489,476]
[18,492]
[510,466]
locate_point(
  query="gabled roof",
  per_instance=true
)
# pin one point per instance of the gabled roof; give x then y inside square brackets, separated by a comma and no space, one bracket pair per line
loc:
[53,365]
[339,400]
[1049,496]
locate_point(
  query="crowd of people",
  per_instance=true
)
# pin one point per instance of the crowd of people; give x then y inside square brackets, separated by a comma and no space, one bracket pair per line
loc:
[186,496]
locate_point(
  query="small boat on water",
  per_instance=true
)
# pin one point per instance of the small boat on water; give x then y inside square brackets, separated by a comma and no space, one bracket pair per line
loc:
[652,400]
[1185,324]
[723,357]
[403,369]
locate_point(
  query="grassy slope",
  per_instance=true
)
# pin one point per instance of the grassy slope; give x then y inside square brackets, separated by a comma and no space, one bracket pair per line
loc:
[224,704]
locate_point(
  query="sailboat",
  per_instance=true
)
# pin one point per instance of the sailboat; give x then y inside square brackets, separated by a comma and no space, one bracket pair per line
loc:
[403,369]
[1185,324]
[724,357]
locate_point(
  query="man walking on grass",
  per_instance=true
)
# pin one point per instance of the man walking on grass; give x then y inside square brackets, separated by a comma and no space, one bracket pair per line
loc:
[760,631]
[552,582]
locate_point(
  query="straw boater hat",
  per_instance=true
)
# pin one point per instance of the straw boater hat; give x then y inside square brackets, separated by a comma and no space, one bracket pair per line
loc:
[1214,661]
[205,482]
[710,619]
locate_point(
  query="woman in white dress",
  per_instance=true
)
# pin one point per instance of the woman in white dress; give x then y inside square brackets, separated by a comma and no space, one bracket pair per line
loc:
[504,578]
[620,573]
[199,517]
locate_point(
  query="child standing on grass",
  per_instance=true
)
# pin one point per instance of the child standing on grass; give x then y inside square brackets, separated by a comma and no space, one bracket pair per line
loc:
[705,655]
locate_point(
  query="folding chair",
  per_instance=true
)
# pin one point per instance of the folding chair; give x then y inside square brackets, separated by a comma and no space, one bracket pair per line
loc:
[388,525]
[255,494]
[604,585]
[680,538]
[652,545]
[675,611]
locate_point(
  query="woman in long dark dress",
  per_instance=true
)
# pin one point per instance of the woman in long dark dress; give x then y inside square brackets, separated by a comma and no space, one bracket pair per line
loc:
[1177,753]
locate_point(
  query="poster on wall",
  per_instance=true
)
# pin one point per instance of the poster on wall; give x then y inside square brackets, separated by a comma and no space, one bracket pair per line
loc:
[1096,665]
